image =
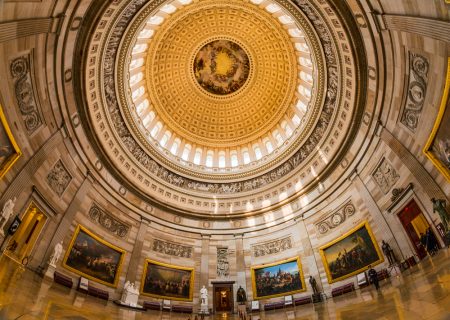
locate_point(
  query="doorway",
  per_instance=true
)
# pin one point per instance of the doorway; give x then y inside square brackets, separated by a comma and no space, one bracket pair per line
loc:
[22,242]
[415,224]
[223,297]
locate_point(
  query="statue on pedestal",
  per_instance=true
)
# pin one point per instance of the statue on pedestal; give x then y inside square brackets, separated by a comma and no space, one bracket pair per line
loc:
[56,254]
[204,300]
[313,283]
[439,206]
[241,296]
[7,211]
[388,252]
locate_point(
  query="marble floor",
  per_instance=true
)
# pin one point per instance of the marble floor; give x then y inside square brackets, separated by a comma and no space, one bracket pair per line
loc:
[422,292]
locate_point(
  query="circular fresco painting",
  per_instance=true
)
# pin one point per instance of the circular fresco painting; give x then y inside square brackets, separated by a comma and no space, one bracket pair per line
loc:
[221,67]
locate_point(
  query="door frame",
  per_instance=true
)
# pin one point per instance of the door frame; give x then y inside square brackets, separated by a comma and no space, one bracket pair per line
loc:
[228,284]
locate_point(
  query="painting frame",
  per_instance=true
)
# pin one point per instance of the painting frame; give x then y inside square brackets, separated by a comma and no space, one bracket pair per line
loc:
[105,243]
[322,249]
[16,153]
[428,148]
[147,262]
[278,263]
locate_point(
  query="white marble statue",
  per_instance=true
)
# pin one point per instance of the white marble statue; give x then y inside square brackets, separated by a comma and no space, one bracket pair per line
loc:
[7,211]
[56,254]
[204,300]
[130,294]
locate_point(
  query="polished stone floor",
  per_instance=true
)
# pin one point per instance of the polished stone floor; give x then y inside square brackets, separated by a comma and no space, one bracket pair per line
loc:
[422,292]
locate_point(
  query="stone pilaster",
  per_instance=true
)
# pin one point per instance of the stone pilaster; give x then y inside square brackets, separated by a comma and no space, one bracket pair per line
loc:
[136,255]
[204,270]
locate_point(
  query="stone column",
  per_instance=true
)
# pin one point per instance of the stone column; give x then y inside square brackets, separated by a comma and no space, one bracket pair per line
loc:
[382,224]
[240,268]
[135,260]
[204,270]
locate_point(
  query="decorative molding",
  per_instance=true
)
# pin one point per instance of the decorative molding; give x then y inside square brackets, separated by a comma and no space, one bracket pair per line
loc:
[385,176]
[223,267]
[417,89]
[171,249]
[25,94]
[272,247]
[336,218]
[59,178]
[108,222]
[398,195]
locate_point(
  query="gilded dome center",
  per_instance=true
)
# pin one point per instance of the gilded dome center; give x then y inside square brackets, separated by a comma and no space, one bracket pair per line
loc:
[221,67]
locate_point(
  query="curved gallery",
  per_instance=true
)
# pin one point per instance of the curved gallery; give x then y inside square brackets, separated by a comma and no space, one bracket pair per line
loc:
[222,144]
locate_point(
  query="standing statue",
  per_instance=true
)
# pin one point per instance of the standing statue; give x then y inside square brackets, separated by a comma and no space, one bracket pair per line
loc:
[204,295]
[241,296]
[7,211]
[388,252]
[439,206]
[313,284]
[56,254]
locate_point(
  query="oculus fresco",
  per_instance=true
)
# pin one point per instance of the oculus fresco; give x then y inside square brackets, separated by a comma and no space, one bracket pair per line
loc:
[221,67]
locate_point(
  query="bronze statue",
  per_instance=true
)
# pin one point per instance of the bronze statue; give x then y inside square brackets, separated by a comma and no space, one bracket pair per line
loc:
[439,206]
[313,284]
[241,296]
[388,252]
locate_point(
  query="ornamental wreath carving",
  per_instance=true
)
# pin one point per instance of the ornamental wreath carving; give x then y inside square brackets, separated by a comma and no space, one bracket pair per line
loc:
[417,89]
[223,267]
[272,247]
[385,176]
[59,178]
[23,88]
[108,222]
[171,249]
[336,218]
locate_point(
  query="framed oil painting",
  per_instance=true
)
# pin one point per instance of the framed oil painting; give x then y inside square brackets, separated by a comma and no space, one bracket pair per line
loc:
[92,257]
[9,150]
[277,279]
[351,253]
[167,281]
[437,148]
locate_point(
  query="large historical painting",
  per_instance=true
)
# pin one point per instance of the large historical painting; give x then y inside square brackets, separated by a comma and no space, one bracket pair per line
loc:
[437,148]
[277,279]
[166,281]
[94,258]
[351,253]
[9,150]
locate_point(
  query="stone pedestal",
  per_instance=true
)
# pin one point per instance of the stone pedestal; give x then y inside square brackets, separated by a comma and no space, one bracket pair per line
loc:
[242,308]
[130,298]
[316,297]
[50,271]
[204,309]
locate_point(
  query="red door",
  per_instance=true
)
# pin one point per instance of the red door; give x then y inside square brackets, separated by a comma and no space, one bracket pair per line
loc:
[408,214]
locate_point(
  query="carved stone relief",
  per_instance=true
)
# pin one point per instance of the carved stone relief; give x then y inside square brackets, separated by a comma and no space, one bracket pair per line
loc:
[23,89]
[272,247]
[59,178]
[171,249]
[417,89]
[385,176]
[107,221]
[336,218]
[223,267]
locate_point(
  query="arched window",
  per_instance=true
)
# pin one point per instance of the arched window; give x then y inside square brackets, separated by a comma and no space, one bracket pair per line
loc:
[278,137]
[198,156]
[136,78]
[296,120]
[136,63]
[156,129]
[222,162]
[138,92]
[234,158]
[165,138]
[186,151]
[209,158]
[257,151]
[245,156]
[175,145]
[268,145]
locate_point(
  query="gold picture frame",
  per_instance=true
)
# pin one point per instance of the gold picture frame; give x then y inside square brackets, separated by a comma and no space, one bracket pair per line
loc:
[9,150]
[181,273]
[368,253]
[284,266]
[74,258]
[443,116]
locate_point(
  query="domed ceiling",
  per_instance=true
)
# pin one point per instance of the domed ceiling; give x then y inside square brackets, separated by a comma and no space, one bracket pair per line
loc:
[221,108]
